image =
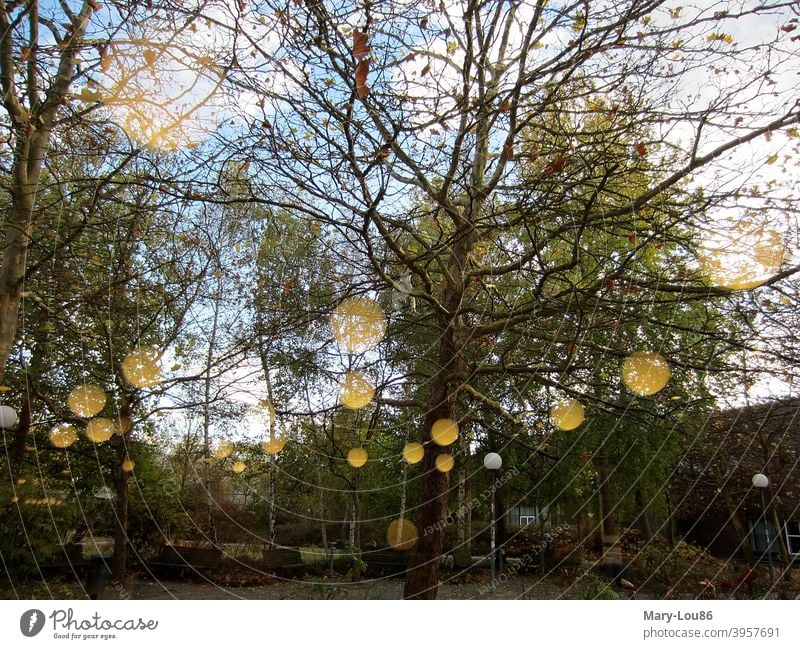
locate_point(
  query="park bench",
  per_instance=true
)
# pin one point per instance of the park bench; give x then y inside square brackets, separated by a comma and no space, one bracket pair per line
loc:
[175,558]
[68,558]
[281,558]
[387,559]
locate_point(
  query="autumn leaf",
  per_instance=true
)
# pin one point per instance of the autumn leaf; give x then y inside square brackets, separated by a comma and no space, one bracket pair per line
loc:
[423,23]
[640,149]
[555,166]
[362,70]
[360,48]
[425,70]
[505,105]
[714,36]
[508,151]
[772,159]
[149,57]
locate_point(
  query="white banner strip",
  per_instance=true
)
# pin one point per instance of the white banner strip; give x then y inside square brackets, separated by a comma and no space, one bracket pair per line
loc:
[390,625]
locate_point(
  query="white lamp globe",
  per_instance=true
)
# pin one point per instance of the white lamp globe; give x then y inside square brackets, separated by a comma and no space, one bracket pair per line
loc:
[492,461]
[760,481]
[8,416]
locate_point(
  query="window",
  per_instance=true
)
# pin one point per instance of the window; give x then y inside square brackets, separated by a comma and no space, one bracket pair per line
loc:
[527,520]
[793,536]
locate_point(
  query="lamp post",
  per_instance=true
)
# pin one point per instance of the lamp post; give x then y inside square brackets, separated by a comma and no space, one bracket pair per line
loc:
[492,462]
[761,482]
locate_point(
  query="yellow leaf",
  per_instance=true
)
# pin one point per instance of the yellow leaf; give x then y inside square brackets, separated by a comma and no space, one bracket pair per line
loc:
[772,159]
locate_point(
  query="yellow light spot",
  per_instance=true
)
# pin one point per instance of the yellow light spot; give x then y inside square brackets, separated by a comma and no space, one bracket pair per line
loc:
[358,324]
[21,480]
[239,466]
[356,390]
[357,457]
[274,446]
[444,432]
[413,452]
[445,462]
[141,368]
[401,534]
[86,400]
[223,450]
[100,430]
[63,435]
[567,414]
[645,373]
[743,256]
[128,465]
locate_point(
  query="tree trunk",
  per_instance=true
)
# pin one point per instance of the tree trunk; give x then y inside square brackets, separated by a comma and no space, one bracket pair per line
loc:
[32,140]
[119,560]
[642,519]
[785,559]
[611,561]
[271,491]
[422,576]
[462,498]
[20,438]
[738,527]
[322,520]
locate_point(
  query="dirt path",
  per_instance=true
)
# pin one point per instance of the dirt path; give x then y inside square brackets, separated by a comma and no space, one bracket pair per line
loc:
[379,589]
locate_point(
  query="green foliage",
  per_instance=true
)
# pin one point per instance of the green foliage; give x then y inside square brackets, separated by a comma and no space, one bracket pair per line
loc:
[590,585]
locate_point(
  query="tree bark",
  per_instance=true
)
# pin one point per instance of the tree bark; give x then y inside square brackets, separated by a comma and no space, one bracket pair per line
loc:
[119,560]
[32,140]
[422,576]
[642,519]
[739,528]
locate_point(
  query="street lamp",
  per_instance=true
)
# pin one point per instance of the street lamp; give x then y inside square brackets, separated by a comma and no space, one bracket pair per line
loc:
[492,462]
[761,482]
[8,416]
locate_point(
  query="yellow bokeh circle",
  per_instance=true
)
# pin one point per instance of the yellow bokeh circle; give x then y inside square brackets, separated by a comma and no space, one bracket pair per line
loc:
[358,324]
[356,390]
[128,464]
[567,414]
[645,373]
[742,255]
[238,466]
[141,368]
[100,430]
[413,452]
[223,450]
[274,446]
[86,400]
[357,457]
[444,432]
[445,462]
[401,534]
[63,435]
